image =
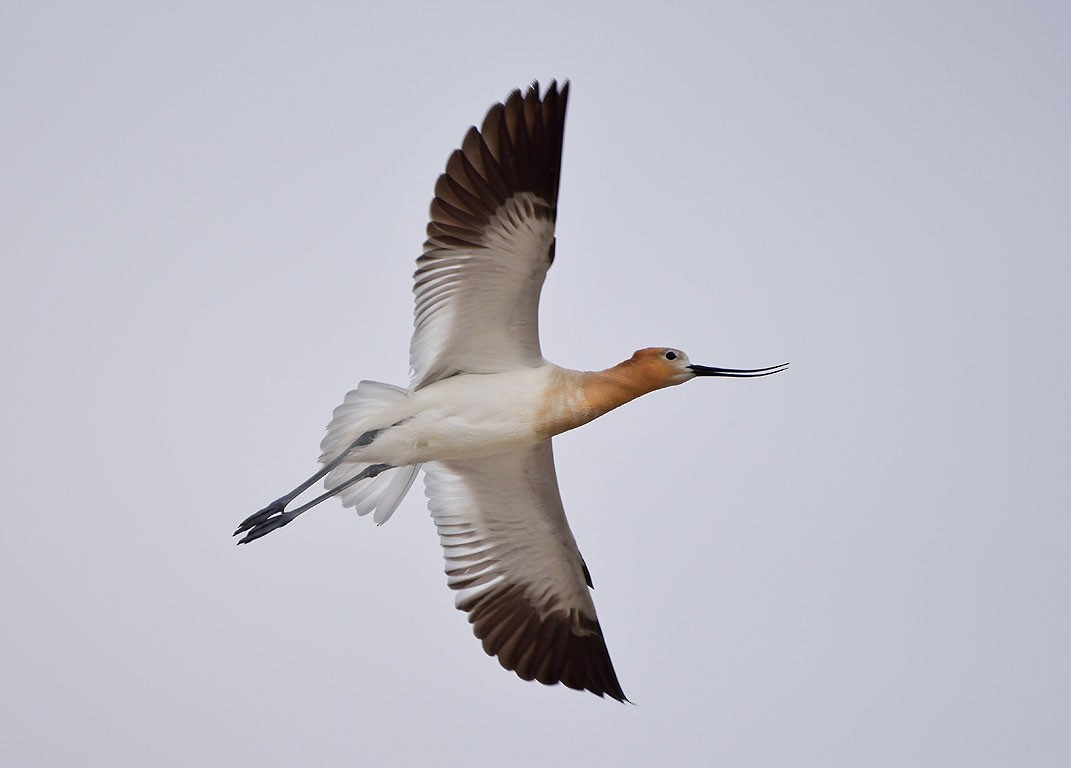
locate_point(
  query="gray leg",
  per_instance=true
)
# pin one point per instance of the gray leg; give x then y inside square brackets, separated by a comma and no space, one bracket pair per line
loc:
[360,442]
[278,506]
[271,517]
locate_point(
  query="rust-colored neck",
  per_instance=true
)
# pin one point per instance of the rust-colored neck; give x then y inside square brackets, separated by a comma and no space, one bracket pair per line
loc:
[606,390]
[576,397]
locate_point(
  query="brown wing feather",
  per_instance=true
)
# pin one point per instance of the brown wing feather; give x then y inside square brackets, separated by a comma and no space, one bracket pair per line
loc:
[490,229]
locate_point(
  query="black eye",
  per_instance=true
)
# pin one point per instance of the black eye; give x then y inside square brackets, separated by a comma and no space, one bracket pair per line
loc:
[671,355]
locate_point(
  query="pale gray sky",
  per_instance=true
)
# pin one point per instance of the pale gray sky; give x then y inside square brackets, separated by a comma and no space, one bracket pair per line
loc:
[210,218]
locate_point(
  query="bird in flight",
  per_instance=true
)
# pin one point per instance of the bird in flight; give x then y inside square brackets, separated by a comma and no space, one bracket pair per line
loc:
[483,405]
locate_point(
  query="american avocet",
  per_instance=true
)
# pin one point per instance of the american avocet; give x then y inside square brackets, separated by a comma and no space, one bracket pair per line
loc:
[484,404]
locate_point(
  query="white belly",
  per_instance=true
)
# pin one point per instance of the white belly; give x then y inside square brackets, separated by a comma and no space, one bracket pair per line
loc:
[462,417]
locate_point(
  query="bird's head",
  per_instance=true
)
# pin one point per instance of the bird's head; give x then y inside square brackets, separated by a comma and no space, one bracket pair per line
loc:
[667,367]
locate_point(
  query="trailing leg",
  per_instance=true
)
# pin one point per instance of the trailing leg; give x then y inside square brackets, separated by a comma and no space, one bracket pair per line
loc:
[274,515]
[280,503]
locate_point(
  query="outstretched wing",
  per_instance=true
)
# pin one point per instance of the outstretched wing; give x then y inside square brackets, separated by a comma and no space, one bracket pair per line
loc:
[516,567]
[490,243]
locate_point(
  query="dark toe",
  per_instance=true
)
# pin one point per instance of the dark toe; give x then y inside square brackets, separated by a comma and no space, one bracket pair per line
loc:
[266,527]
[257,518]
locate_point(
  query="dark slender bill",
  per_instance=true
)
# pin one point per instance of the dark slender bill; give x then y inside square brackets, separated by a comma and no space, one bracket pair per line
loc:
[736,373]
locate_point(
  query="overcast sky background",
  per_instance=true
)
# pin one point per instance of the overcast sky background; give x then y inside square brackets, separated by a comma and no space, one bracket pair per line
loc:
[210,215]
